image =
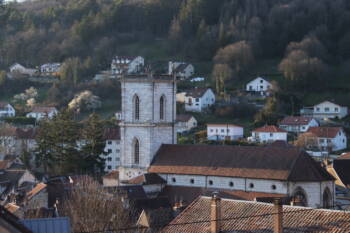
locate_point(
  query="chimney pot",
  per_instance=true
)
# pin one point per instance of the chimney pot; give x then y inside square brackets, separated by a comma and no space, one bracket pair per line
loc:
[215,213]
[277,216]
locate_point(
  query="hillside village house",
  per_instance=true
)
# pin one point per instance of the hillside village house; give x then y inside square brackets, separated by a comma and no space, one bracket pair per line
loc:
[198,99]
[180,69]
[112,148]
[219,132]
[42,112]
[18,68]
[6,110]
[328,138]
[50,68]
[297,124]
[324,110]
[268,134]
[185,122]
[259,85]
[16,140]
[127,64]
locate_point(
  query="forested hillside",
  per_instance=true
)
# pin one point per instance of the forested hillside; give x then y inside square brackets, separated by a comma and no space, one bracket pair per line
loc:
[308,39]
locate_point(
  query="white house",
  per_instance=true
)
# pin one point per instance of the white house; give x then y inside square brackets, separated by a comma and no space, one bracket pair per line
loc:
[329,138]
[50,68]
[14,140]
[42,112]
[325,109]
[218,132]
[18,68]
[185,122]
[259,85]
[127,64]
[112,148]
[6,110]
[268,133]
[181,69]
[297,124]
[198,99]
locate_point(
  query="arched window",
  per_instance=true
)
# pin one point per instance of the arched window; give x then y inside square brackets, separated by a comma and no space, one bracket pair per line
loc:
[136,151]
[327,198]
[161,108]
[299,197]
[136,108]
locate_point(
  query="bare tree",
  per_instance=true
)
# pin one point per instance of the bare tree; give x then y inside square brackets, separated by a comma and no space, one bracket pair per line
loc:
[91,208]
[306,141]
[222,73]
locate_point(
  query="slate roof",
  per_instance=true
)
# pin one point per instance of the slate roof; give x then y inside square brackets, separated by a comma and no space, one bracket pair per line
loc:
[324,132]
[342,167]
[48,225]
[296,120]
[147,179]
[183,117]
[237,217]
[111,133]
[260,162]
[133,192]
[196,92]
[270,129]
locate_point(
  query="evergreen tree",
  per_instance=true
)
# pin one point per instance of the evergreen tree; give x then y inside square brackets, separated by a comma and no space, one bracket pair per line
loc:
[93,146]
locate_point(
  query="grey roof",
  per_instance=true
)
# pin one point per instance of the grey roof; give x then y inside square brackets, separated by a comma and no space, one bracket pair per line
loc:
[48,225]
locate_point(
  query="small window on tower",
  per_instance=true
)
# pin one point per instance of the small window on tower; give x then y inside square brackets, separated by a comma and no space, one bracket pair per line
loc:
[136,151]
[136,108]
[161,108]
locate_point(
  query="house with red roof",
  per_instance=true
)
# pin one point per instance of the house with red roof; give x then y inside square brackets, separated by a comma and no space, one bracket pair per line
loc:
[268,134]
[298,124]
[328,138]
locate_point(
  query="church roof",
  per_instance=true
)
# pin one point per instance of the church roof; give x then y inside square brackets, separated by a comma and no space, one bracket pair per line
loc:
[268,162]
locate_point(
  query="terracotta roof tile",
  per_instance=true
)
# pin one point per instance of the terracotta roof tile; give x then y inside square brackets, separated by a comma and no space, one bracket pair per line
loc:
[270,129]
[324,132]
[111,133]
[344,156]
[247,216]
[296,120]
[112,175]
[38,188]
[269,162]
[4,164]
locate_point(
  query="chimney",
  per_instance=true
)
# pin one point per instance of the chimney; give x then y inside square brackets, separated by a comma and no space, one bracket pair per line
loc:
[277,216]
[215,213]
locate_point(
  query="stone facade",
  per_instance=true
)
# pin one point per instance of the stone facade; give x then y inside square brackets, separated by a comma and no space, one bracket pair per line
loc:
[154,124]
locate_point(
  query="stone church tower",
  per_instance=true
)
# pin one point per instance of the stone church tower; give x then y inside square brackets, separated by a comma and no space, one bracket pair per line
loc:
[148,120]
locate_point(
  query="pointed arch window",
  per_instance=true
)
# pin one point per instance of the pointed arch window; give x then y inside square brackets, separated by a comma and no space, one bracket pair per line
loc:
[136,108]
[136,151]
[161,108]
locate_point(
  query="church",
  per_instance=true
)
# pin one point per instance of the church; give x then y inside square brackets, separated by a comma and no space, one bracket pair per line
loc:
[149,146]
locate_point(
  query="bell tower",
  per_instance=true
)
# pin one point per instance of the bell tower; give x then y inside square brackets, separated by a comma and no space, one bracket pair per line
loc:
[148,120]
